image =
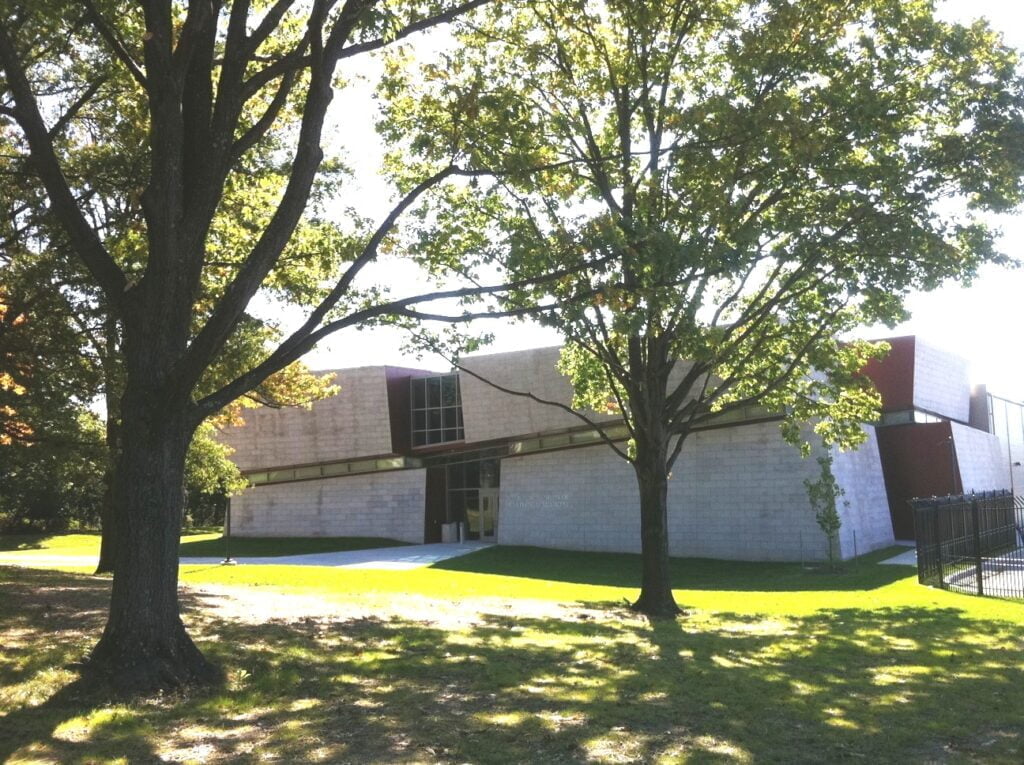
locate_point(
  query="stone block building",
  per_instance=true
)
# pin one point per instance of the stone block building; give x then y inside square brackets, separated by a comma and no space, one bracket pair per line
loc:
[403,453]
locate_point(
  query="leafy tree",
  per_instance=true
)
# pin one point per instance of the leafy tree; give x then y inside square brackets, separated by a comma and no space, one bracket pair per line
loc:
[733,183]
[824,493]
[219,87]
[50,444]
[58,326]
[54,483]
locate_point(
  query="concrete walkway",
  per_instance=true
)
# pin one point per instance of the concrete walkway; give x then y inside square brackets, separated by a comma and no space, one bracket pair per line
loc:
[390,558]
[906,558]
[29,560]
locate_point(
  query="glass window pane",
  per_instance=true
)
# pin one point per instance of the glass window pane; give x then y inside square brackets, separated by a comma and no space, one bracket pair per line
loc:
[488,474]
[450,418]
[473,475]
[472,505]
[448,391]
[451,434]
[433,419]
[433,391]
[456,477]
[419,420]
[419,438]
[418,395]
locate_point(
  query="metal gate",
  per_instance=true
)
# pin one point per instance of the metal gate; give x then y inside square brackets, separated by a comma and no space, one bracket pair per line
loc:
[972,543]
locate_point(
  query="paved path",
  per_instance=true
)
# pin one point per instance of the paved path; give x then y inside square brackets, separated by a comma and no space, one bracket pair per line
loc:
[392,558]
[46,561]
[906,558]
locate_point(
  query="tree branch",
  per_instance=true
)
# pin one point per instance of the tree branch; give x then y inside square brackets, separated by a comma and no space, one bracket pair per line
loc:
[82,236]
[417,26]
[116,46]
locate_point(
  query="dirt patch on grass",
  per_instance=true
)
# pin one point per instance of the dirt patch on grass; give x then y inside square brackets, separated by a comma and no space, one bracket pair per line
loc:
[255,605]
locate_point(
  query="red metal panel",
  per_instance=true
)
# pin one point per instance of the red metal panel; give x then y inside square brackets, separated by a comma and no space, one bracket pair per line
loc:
[917,461]
[894,375]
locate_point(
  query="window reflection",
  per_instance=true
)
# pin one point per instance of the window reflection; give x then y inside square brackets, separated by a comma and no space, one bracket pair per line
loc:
[436,406]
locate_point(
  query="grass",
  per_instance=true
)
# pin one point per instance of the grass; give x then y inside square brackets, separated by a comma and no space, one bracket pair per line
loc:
[518,654]
[201,545]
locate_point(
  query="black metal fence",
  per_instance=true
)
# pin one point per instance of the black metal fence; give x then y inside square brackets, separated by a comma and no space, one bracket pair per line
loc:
[972,543]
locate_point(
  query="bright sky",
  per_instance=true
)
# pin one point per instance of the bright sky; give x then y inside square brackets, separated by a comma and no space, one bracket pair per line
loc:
[983,322]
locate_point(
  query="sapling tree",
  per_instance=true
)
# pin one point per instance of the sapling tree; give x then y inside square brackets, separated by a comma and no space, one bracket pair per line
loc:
[732,183]
[824,493]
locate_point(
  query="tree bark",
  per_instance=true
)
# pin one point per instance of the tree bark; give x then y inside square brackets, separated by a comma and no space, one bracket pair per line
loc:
[145,647]
[656,599]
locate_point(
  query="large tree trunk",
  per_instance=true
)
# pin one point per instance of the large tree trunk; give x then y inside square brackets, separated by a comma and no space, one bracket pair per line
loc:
[656,583]
[145,647]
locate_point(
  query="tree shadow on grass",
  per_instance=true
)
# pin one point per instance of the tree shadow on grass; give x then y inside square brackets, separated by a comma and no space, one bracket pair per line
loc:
[14,542]
[588,683]
[623,570]
[277,546]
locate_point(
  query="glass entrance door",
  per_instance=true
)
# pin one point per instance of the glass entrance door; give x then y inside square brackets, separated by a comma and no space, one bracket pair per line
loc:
[488,515]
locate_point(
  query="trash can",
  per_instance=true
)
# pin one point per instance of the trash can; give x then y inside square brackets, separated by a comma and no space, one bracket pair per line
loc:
[450,532]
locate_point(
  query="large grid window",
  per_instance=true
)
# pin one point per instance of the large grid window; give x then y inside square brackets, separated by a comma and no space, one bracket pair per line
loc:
[436,410]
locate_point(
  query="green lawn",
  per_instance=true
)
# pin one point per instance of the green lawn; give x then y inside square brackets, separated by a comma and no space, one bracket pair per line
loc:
[201,545]
[525,655]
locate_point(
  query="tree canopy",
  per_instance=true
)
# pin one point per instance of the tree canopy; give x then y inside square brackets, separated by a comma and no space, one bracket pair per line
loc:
[733,185]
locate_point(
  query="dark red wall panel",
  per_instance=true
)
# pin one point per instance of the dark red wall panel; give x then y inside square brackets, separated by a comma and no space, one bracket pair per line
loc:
[917,461]
[894,375]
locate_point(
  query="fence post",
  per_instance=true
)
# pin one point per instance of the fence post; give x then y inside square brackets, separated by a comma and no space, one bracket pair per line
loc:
[978,565]
[937,530]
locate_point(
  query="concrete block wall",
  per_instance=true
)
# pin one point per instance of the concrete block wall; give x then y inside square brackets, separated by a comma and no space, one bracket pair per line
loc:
[941,382]
[738,493]
[352,424]
[735,493]
[574,499]
[387,504]
[981,458]
[864,508]
[490,414]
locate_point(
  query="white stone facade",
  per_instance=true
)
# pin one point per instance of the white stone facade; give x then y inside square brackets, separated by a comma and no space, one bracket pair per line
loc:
[981,459]
[864,505]
[488,413]
[388,505]
[354,423]
[941,382]
[735,493]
